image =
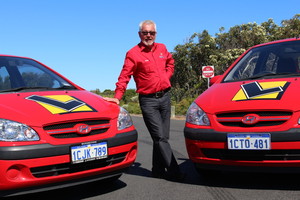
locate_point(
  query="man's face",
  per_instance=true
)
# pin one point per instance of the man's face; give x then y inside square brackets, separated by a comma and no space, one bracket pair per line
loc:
[148,34]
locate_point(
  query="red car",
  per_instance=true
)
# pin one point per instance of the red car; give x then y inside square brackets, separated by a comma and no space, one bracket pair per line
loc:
[53,133]
[249,119]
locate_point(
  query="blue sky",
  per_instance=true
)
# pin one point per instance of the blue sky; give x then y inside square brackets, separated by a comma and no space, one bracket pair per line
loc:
[86,40]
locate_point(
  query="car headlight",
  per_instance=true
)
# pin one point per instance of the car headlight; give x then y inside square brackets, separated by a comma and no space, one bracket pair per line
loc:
[124,119]
[195,115]
[15,131]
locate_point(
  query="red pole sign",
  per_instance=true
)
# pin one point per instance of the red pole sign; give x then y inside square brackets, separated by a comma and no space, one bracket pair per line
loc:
[208,71]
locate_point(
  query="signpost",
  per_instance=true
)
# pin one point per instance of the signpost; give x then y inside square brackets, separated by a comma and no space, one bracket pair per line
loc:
[208,72]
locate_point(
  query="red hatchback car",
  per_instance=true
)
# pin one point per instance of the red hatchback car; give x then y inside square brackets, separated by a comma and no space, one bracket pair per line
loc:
[54,133]
[249,119]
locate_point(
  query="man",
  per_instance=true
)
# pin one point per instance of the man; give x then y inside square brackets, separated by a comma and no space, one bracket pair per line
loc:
[152,66]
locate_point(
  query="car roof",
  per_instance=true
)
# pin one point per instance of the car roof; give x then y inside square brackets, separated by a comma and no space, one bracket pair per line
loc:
[277,41]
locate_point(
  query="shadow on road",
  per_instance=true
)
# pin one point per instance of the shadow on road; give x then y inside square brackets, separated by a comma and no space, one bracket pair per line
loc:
[239,180]
[137,170]
[75,193]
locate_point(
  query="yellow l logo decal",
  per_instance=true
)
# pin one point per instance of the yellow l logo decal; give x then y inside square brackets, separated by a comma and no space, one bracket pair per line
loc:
[59,104]
[263,90]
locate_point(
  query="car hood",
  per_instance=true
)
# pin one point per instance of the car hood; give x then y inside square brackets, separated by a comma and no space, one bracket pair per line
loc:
[280,94]
[41,108]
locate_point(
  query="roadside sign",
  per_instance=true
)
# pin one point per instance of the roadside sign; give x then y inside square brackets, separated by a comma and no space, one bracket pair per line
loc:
[208,71]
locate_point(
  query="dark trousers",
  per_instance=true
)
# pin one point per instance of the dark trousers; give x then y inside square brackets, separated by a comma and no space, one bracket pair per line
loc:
[156,113]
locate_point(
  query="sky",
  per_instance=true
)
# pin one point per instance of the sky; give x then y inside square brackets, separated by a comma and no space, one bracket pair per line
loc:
[86,40]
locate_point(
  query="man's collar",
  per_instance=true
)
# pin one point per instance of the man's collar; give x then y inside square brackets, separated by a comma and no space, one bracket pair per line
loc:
[144,47]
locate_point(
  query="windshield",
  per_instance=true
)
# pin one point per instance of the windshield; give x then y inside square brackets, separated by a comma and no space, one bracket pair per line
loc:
[275,60]
[21,73]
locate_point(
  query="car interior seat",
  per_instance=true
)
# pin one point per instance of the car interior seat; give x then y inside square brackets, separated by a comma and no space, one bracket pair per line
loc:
[286,65]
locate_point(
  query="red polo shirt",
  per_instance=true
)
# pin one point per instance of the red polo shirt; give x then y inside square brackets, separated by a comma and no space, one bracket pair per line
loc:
[151,69]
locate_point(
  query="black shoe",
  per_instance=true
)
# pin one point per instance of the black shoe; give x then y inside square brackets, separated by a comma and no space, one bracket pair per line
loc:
[177,177]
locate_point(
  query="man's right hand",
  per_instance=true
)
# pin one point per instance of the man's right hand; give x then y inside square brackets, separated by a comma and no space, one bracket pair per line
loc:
[115,100]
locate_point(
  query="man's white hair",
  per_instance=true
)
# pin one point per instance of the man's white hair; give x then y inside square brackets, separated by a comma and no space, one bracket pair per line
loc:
[146,22]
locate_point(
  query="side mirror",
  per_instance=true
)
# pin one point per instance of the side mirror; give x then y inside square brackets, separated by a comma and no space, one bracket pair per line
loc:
[214,79]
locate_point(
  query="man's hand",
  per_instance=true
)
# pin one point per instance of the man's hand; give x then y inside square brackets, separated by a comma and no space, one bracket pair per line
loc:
[115,100]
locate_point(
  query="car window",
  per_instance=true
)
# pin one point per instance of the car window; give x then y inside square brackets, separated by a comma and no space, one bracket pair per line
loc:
[35,77]
[4,79]
[268,61]
[21,72]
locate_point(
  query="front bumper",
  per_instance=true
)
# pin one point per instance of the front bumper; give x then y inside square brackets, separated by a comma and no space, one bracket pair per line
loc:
[212,135]
[44,165]
[208,150]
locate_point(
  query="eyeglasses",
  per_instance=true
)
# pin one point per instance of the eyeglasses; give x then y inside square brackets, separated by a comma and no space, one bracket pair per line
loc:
[146,32]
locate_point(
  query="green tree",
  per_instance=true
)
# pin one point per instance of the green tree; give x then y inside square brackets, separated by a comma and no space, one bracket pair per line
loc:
[129,94]
[290,28]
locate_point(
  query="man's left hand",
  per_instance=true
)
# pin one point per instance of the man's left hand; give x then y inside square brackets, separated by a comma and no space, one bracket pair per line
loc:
[115,100]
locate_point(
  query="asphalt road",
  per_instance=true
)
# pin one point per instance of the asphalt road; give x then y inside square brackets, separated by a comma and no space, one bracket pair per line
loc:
[137,183]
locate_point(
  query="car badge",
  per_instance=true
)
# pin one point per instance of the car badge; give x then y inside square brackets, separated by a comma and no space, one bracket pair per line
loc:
[82,129]
[250,119]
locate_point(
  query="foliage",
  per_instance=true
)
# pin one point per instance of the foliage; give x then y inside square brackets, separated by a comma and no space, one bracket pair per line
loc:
[182,106]
[133,107]
[129,96]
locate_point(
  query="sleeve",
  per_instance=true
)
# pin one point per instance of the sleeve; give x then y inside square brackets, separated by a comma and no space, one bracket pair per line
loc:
[124,77]
[169,64]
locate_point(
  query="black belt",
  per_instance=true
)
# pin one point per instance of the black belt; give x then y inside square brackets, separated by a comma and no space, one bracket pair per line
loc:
[158,94]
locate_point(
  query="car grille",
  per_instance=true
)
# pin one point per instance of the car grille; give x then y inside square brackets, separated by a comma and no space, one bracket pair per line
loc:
[68,168]
[252,155]
[68,130]
[264,118]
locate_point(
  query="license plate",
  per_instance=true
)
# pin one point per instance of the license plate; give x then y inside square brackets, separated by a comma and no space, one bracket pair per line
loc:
[89,152]
[259,141]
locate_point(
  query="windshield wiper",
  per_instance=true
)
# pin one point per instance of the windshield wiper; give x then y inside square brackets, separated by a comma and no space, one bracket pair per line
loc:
[65,87]
[263,74]
[268,74]
[25,88]
[38,88]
